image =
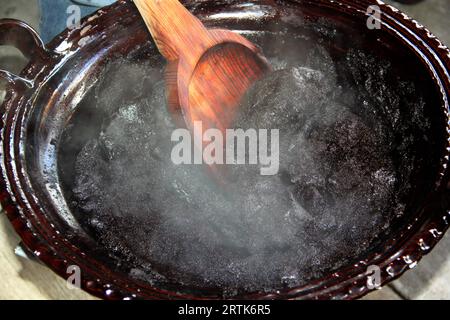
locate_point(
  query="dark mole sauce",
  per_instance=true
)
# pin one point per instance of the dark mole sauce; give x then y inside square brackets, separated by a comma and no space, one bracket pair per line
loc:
[350,125]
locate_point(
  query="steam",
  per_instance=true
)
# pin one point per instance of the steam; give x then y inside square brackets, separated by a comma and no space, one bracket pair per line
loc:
[336,190]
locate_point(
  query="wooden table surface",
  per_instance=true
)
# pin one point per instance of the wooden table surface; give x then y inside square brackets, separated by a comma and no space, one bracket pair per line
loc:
[25,279]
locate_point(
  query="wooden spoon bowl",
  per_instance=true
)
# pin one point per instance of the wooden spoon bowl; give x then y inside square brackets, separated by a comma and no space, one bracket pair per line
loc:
[209,71]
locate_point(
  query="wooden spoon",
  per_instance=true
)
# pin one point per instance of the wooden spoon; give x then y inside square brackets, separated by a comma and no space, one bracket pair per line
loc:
[209,71]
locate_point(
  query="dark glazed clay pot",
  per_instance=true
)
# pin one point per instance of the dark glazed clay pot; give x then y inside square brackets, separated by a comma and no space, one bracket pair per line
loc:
[41,101]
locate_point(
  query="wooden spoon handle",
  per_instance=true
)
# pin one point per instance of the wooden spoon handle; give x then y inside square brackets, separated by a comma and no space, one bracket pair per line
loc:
[175,30]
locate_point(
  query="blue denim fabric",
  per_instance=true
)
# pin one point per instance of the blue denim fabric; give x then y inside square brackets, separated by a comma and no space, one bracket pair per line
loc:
[54,16]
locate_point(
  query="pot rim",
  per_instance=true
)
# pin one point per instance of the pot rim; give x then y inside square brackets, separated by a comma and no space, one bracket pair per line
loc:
[46,242]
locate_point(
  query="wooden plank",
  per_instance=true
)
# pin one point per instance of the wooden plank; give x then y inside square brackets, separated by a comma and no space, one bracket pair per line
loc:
[431,278]
[25,279]
[386,293]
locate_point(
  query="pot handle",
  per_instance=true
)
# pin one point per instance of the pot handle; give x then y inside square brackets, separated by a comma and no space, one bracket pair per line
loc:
[21,36]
